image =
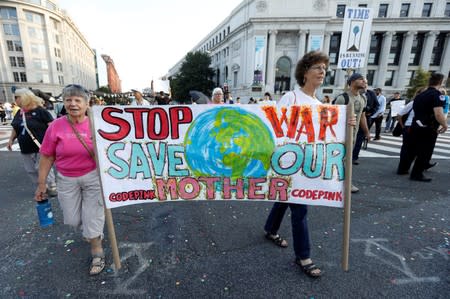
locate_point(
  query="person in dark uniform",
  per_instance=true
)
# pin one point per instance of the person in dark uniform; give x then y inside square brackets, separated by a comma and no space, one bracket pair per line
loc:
[429,121]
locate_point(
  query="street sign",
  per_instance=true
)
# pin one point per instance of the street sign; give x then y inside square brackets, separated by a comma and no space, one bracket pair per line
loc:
[355,37]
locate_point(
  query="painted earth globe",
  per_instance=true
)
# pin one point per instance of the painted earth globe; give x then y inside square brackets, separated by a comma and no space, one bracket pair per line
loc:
[228,142]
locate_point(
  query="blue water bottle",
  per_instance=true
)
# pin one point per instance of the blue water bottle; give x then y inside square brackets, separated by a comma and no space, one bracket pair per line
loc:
[44,209]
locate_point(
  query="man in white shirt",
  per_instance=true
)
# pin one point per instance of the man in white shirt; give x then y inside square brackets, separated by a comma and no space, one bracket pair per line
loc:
[377,117]
[139,99]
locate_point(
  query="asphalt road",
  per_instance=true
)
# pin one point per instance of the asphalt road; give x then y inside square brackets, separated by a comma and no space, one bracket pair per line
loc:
[399,245]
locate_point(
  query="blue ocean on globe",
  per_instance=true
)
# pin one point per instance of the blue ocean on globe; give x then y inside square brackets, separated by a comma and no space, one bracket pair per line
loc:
[228,142]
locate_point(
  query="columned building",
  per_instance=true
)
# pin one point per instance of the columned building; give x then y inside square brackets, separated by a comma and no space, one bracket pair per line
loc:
[41,48]
[255,49]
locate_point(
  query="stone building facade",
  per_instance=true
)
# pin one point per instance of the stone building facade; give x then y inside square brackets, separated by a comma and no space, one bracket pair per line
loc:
[259,43]
[41,47]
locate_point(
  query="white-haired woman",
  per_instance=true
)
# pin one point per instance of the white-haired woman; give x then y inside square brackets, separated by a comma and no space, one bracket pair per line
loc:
[217,96]
[68,144]
[29,127]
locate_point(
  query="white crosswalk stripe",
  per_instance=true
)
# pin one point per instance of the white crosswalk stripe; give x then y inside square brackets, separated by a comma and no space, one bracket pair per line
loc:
[388,147]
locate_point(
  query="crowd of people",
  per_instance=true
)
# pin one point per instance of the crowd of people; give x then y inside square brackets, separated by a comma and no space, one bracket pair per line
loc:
[59,158]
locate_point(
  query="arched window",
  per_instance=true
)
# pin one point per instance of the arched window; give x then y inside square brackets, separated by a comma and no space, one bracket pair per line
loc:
[283,75]
[226,74]
[217,77]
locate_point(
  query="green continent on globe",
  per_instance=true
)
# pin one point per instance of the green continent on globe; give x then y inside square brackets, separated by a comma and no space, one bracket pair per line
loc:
[244,131]
[228,142]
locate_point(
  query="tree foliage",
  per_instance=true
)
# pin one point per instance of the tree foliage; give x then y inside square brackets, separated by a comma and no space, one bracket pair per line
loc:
[195,74]
[104,89]
[420,80]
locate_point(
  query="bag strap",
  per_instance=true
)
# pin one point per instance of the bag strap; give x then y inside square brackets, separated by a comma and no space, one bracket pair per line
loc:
[83,142]
[28,130]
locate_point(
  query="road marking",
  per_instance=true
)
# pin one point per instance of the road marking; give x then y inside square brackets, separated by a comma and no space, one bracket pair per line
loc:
[399,262]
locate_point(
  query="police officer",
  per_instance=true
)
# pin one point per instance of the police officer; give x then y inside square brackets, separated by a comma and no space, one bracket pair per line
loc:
[429,120]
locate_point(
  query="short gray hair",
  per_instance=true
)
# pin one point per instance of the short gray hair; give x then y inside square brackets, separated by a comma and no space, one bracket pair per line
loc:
[77,91]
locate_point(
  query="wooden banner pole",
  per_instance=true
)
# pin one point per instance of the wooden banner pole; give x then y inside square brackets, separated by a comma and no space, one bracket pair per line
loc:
[108,214]
[112,239]
[348,187]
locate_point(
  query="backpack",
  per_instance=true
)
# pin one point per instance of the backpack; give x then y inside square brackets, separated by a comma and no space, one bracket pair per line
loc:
[346,98]
[372,102]
[371,98]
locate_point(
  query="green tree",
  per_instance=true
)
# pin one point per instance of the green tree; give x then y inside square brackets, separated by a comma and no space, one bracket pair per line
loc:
[195,74]
[420,80]
[104,89]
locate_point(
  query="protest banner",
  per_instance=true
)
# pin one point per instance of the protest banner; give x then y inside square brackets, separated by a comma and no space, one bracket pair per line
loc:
[203,152]
[355,37]
[396,107]
[292,154]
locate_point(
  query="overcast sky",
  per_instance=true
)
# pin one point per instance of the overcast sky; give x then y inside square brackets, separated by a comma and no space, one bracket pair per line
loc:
[145,37]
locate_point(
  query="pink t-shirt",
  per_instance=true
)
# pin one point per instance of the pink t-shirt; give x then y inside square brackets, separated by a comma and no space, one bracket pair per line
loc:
[71,157]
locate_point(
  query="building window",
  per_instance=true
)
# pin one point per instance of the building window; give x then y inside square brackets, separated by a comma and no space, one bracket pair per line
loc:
[21,61]
[16,77]
[23,77]
[18,46]
[12,61]
[283,74]
[57,38]
[7,13]
[61,80]
[416,49]
[35,33]
[50,5]
[382,11]
[55,24]
[335,43]
[404,11]
[447,9]
[370,77]
[375,49]
[59,66]
[396,49]
[389,78]
[11,29]
[34,17]
[228,29]
[410,76]
[362,5]
[37,48]
[330,77]
[426,10]
[438,47]
[340,11]
[40,64]
[10,45]
[235,79]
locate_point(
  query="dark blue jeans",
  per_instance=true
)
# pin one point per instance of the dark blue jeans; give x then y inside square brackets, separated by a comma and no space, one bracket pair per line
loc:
[360,136]
[300,232]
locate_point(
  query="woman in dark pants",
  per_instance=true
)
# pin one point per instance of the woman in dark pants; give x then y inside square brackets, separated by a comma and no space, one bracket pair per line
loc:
[310,73]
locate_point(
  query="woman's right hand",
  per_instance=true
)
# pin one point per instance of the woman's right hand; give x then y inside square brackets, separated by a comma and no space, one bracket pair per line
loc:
[41,192]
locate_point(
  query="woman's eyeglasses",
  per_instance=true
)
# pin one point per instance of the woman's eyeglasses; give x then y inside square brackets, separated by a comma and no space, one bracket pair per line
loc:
[319,68]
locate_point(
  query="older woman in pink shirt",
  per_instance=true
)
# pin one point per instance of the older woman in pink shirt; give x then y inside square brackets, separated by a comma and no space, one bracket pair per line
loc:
[68,145]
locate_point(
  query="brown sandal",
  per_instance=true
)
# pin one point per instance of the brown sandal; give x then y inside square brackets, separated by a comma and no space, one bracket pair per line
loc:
[97,264]
[310,269]
[277,240]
